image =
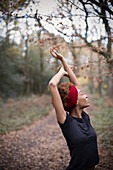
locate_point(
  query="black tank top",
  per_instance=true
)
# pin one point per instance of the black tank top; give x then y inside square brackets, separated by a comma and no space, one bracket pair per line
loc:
[82,142]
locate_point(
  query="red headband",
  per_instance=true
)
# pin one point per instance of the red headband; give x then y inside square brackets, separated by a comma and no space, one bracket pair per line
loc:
[72,98]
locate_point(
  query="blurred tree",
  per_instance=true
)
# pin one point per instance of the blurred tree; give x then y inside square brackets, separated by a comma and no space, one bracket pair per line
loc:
[41,54]
[41,65]
[7,8]
[11,80]
[27,69]
[99,71]
[94,10]
[9,51]
[102,9]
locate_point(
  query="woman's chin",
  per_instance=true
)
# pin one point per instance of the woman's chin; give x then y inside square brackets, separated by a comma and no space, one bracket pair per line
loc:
[88,104]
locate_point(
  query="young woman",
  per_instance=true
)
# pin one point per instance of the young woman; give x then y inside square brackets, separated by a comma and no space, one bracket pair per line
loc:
[69,102]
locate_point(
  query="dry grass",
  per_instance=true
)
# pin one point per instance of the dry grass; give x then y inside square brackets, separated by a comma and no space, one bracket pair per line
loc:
[16,113]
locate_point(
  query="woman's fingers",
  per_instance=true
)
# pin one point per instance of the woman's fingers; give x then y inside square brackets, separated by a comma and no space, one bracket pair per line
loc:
[54,48]
[54,55]
[71,67]
[55,51]
[52,51]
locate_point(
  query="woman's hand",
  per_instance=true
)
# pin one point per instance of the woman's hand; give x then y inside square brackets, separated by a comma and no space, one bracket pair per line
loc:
[61,69]
[65,73]
[54,53]
[71,67]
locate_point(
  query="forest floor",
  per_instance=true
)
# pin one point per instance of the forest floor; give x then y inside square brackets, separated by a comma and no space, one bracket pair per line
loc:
[41,146]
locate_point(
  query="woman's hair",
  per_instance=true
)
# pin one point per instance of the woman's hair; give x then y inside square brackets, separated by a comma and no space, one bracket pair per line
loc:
[64,89]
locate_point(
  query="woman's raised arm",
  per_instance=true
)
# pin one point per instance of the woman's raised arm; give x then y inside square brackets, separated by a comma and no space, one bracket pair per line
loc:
[71,75]
[56,99]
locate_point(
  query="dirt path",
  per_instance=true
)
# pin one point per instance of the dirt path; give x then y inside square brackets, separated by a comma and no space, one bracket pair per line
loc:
[40,146]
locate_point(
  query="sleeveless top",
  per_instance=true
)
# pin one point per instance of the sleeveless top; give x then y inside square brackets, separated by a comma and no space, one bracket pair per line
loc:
[82,142]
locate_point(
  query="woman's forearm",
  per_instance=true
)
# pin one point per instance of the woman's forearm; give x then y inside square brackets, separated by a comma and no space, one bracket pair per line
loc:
[56,79]
[71,75]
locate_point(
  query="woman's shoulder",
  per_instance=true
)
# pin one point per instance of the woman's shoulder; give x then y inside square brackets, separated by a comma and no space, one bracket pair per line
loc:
[67,120]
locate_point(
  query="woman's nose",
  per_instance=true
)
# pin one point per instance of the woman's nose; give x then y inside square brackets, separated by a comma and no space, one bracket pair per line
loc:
[86,96]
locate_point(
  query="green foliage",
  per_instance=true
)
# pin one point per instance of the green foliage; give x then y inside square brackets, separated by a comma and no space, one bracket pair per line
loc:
[11,80]
[103,121]
[33,61]
[23,111]
[18,73]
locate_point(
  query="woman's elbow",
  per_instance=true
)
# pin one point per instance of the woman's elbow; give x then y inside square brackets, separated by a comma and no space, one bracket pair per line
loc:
[52,84]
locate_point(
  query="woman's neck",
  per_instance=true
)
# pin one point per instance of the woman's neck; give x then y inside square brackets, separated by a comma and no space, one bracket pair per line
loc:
[76,112]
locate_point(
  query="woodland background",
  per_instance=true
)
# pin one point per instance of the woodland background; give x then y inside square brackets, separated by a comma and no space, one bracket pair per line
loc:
[26,64]
[83,33]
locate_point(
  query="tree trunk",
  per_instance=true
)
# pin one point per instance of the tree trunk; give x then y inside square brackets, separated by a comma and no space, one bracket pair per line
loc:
[41,66]
[74,59]
[7,31]
[41,72]
[99,72]
[110,78]
[55,43]
[110,82]
[91,84]
[108,31]
[27,68]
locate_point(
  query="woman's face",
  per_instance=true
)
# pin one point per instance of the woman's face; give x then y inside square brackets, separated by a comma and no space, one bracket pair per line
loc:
[82,99]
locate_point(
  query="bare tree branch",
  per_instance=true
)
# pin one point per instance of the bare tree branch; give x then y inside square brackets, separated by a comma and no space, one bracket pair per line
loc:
[86,12]
[103,5]
[89,44]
